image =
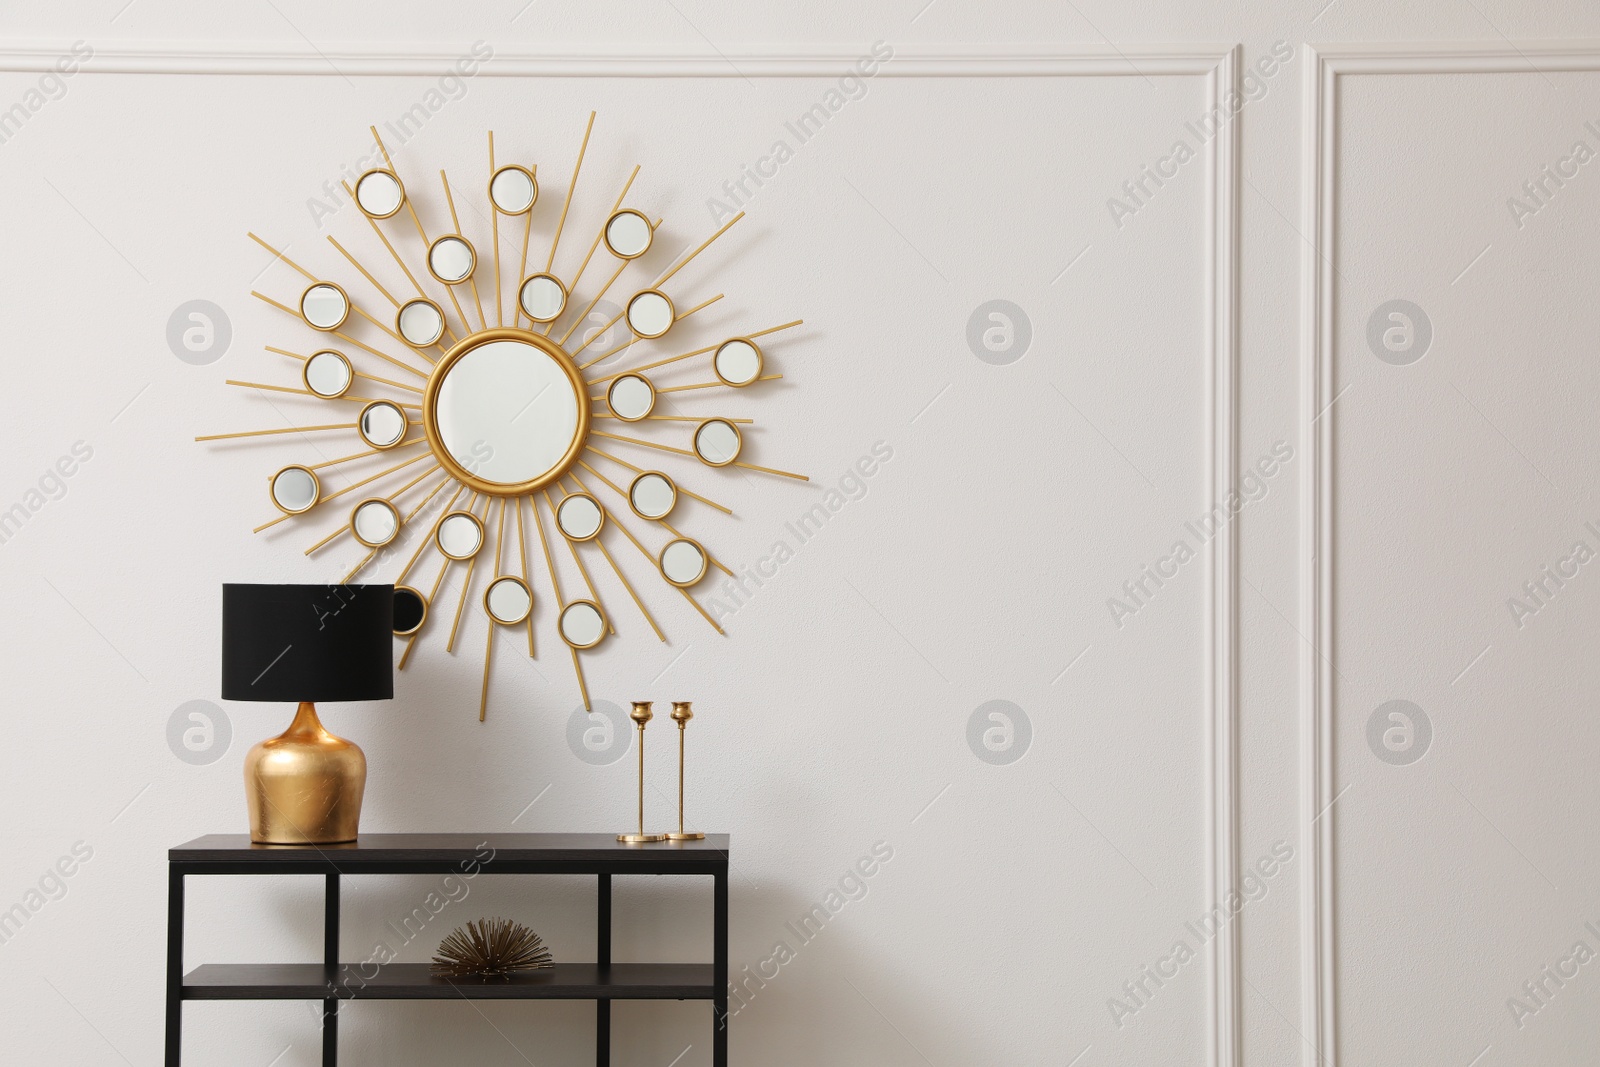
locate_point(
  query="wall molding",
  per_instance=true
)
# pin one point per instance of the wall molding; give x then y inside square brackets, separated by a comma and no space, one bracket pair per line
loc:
[233,57]
[1319,170]
[1218,64]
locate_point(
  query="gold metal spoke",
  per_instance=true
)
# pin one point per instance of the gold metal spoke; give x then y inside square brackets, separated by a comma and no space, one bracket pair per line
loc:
[466,583]
[593,247]
[641,470]
[527,576]
[594,594]
[623,578]
[646,553]
[319,396]
[696,352]
[488,648]
[456,221]
[355,373]
[391,498]
[365,273]
[422,547]
[494,219]
[400,261]
[712,385]
[571,188]
[349,488]
[630,342]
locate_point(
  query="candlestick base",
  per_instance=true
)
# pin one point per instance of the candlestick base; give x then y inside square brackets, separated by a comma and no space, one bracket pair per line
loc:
[689,836]
[640,839]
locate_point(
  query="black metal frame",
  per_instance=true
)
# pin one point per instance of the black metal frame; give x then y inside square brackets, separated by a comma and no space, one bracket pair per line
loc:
[597,854]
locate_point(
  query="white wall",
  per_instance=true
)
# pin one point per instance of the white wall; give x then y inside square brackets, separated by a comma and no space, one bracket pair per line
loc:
[977,565]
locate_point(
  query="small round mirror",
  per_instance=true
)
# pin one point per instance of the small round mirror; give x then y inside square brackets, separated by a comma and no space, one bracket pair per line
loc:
[382,424]
[420,322]
[410,610]
[717,442]
[631,397]
[508,600]
[683,562]
[628,234]
[582,624]
[542,297]
[460,535]
[580,517]
[375,522]
[652,495]
[513,189]
[327,374]
[737,362]
[295,489]
[451,259]
[324,306]
[650,313]
[379,194]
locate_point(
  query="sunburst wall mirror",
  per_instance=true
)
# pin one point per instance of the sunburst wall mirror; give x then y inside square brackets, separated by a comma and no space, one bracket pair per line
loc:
[496,430]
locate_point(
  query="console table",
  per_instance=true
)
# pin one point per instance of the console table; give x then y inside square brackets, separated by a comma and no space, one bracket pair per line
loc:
[332,980]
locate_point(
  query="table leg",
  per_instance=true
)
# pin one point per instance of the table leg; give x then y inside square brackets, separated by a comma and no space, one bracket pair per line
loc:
[174,967]
[330,959]
[602,955]
[719,1006]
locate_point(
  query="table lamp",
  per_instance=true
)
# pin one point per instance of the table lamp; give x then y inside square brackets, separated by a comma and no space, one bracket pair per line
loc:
[305,643]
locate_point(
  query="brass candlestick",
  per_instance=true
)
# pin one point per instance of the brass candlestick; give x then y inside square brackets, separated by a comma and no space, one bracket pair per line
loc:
[641,714]
[682,712]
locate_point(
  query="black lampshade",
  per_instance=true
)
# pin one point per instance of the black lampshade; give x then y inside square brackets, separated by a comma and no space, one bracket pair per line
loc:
[307,642]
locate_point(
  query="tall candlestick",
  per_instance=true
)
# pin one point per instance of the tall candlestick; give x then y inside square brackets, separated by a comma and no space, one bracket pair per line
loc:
[682,712]
[641,714]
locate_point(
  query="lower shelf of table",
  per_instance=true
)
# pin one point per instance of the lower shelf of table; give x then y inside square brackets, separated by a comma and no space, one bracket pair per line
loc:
[412,981]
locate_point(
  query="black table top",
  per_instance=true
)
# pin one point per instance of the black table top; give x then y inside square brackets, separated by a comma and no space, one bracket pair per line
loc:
[502,852]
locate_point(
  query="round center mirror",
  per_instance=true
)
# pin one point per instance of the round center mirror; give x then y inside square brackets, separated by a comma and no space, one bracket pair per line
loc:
[506,412]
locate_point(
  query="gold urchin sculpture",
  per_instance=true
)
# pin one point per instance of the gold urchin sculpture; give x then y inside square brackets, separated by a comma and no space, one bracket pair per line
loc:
[490,948]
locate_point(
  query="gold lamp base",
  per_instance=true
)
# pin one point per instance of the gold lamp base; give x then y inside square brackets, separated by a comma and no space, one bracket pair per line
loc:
[304,786]
[682,835]
[641,839]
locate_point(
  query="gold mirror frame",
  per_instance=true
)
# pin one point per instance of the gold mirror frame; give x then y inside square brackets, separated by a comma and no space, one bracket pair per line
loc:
[424,483]
[430,415]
